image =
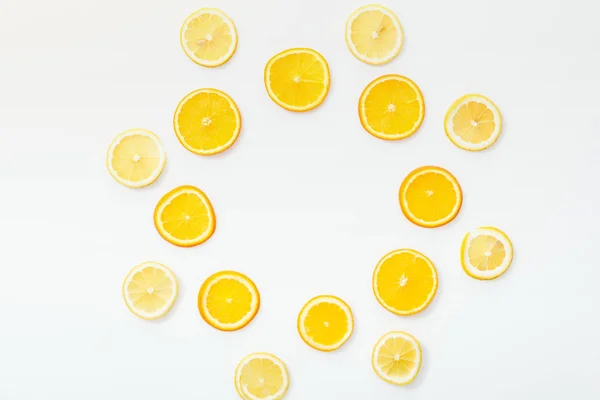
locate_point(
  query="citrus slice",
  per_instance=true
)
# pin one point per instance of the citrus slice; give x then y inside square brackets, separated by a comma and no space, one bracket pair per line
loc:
[397,358]
[261,376]
[325,323]
[405,281]
[208,37]
[391,107]
[228,300]
[150,290]
[374,34]
[297,79]
[473,122]
[486,253]
[135,158]
[430,197]
[185,217]
[207,121]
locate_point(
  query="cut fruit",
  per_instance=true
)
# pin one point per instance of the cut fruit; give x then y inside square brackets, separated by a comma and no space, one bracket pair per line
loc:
[374,34]
[185,216]
[207,121]
[397,358]
[486,253]
[391,107]
[208,37]
[150,290]
[325,323]
[136,158]
[297,79]
[228,300]
[261,376]
[430,197]
[405,281]
[473,122]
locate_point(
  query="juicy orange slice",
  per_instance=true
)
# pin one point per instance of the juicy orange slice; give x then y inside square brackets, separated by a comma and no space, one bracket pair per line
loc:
[391,107]
[486,253]
[325,323]
[150,290]
[473,122]
[397,358]
[185,216]
[430,197]
[261,376]
[405,281]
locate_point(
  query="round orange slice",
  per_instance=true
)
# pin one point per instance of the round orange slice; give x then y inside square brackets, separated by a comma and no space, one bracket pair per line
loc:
[325,323]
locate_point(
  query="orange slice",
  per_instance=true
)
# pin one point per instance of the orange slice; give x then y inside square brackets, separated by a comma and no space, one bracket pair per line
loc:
[486,253]
[325,323]
[397,358]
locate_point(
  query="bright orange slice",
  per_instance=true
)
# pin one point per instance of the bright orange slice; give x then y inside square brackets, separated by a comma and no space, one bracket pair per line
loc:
[325,323]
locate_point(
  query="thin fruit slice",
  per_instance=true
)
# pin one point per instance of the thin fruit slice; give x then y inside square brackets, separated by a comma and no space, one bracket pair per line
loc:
[185,217]
[150,290]
[430,197]
[228,300]
[391,107]
[207,121]
[136,158]
[397,358]
[325,323]
[297,79]
[486,253]
[261,376]
[473,122]
[208,37]
[374,34]
[405,281]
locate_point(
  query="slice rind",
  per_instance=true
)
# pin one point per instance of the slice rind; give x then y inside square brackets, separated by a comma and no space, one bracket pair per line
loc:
[486,253]
[325,323]
[397,358]
[185,216]
[208,37]
[228,300]
[261,376]
[391,107]
[405,281]
[136,158]
[297,79]
[150,290]
[473,122]
[374,34]
[207,121]
[430,197]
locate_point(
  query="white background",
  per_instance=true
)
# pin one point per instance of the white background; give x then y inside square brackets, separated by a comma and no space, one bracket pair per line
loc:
[306,203]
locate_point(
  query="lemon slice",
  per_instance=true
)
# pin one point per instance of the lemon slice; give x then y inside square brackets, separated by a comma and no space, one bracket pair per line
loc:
[261,376]
[405,281]
[397,358]
[185,216]
[325,323]
[374,34]
[135,158]
[150,290]
[207,121]
[486,253]
[297,79]
[391,107]
[430,197]
[208,37]
[473,122]
[228,300]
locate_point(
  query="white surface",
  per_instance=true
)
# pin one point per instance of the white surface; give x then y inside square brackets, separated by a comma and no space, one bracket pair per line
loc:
[306,203]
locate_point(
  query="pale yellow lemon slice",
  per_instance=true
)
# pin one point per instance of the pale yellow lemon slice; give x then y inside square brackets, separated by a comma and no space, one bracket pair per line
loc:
[430,197]
[391,107]
[297,79]
[405,281]
[208,37]
[486,253]
[397,358]
[150,290]
[473,122]
[325,323]
[207,121]
[261,376]
[228,300]
[136,158]
[185,216]
[374,34]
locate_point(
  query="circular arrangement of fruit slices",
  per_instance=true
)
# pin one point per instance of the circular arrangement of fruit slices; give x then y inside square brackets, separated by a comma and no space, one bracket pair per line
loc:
[207,121]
